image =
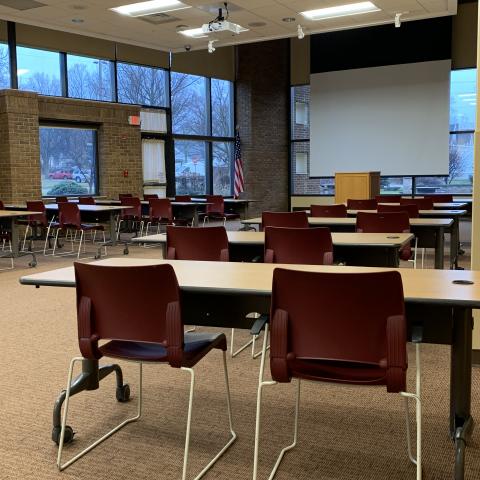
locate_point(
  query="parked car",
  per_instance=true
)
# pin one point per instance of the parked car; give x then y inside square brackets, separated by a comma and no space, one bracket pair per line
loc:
[60,175]
[81,176]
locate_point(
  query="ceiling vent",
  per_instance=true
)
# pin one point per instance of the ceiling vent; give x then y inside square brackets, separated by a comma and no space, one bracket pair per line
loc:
[21,4]
[158,18]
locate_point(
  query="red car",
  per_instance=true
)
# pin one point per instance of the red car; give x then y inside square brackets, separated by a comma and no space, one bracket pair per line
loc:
[60,175]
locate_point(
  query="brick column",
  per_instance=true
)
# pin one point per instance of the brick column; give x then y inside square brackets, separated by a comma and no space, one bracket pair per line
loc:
[262,101]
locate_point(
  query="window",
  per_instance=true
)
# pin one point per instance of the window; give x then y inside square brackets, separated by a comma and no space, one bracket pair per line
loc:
[190,167]
[153,155]
[189,104]
[68,161]
[90,78]
[222,153]
[4,66]
[142,85]
[39,71]
[222,108]
[463,104]
[396,185]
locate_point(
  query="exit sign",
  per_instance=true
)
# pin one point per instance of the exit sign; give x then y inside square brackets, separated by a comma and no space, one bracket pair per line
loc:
[134,120]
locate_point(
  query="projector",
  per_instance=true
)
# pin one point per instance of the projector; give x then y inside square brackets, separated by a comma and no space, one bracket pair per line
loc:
[222,26]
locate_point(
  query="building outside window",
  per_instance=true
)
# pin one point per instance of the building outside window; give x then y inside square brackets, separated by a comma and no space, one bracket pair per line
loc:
[90,78]
[39,71]
[68,161]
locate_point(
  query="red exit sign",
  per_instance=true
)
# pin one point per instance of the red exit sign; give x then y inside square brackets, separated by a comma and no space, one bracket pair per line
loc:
[134,120]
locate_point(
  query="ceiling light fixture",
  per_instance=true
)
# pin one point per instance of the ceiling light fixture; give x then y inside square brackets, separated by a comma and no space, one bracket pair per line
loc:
[300,33]
[194,33]
[149,8]
[340,11]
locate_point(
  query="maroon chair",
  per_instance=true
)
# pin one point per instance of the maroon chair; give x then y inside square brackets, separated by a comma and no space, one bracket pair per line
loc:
[421,203]
[347,328]
[367,204]
[310,246]
[132,215]
[209,244]
[61,199]
[410,208]
[331,211]
[149,331]
[388,198]
[183,198]
[86,201]
[285,219]
[216,210]
[150,196]
[34,222]
[392,222]
[440,198]
[69,221]
[160,213]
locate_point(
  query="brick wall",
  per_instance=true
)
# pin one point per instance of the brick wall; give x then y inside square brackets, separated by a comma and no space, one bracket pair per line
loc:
[262,97]
[119,144]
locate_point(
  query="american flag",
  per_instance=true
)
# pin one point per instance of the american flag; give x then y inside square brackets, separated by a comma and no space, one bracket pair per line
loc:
[239,182]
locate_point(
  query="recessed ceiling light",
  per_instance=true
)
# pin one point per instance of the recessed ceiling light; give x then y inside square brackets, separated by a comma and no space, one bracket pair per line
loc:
[340,11]
[77,20]
[288,19]
[150,7]
[194,33]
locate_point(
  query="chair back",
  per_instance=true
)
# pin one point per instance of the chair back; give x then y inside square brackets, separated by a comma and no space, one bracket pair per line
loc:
[367,204]
[2,205]
[440,198]
[217,204]
[411,209]
[285,219]
[39,218]
[421,203]
[338,319]
[160,208]
[333,211]
[150,196]
[135,210]
[105,309]
[309,246]
[61,199]
[187,243]
[124,195]
[69,215]
[183,198]
[392,222]
[86,201]
[388,198]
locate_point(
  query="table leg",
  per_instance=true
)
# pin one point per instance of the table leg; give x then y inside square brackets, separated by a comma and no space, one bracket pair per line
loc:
[461,421]
[113,230]
[15,253]
[89,379]
[439,248]
[454,239]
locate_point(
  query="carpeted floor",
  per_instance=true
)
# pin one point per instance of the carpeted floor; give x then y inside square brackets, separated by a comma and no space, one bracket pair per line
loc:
[344,433]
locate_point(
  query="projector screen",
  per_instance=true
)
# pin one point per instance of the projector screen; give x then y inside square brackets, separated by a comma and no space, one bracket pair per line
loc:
[392,119]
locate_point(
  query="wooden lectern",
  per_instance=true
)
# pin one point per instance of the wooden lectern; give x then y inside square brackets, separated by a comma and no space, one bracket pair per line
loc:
[356,185]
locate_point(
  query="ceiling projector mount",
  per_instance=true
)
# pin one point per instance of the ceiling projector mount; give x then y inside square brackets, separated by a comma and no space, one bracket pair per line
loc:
[221,24]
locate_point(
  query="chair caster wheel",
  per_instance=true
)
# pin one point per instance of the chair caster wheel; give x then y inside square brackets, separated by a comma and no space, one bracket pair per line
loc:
[123,393]
[125,251]
[32,264]
[69,434]
[97,256]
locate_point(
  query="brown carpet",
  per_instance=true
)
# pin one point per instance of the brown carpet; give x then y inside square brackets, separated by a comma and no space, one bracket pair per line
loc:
[345,433]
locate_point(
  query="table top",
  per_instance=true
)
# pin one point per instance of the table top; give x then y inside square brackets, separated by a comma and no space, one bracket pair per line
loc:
[16,213]
[414,222]
[227,200]
[420,285]
[438,205]
[91,208]
[145,202]
[339,239]
[424,213]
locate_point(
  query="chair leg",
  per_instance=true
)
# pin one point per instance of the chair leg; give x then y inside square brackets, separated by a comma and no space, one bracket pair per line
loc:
[80,244]
[423,256]
[100,440]
[417,396]
[241,349]
[25,237]
[105,243]
[233,436]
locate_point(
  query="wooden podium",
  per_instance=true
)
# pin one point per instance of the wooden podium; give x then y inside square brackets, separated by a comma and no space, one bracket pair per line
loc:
[356,185]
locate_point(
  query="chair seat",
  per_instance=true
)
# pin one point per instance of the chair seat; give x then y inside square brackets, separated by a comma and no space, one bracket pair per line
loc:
[197,345]
[337,371]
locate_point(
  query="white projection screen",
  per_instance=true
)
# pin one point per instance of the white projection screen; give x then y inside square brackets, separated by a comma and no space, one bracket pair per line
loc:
[392,119]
